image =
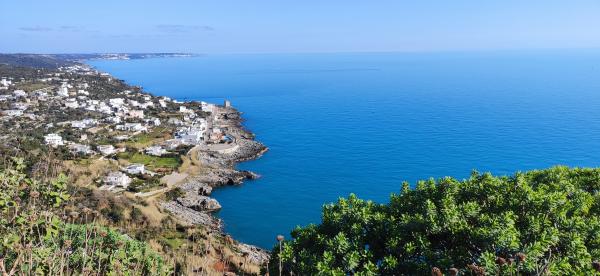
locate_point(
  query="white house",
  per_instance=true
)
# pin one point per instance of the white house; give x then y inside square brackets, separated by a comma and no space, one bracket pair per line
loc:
[19,93]
[206,107]
[13,112]
[79,148]
[63,91]
[106,149]
[5,82]
[155,150]
[113,119]
[136,114]
[85,123]
[41,94]
[53,139]
[116,102]
[132,127]
[121,137]
[154,121]
[102,107]
[190,135]
[162,103]
[174,121]
[117,179]
[135,169]
[21,106]
[184,109]
[71,103]
[146,105]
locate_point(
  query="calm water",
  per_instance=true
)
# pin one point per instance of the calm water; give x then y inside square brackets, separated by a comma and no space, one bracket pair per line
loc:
[362,123]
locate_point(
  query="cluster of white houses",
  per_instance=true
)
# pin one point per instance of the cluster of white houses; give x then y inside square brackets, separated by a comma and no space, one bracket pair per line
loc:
[124,112]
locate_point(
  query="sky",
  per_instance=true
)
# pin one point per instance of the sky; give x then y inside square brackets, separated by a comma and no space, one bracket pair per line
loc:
[285,26]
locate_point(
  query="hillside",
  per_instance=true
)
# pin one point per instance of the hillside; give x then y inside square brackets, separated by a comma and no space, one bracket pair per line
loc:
[33,60]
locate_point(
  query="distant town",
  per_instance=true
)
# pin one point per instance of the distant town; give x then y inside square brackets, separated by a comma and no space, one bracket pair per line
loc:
[97,125]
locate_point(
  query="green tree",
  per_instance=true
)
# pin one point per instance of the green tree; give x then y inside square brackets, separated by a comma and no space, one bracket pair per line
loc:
[533,223]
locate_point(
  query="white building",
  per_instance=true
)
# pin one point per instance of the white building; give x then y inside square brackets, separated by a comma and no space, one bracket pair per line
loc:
[5,82]
[155,150]
[184,109]
[102,107]
[13,112]
[154,121]
[71,103]
[106,149]
[85,123]
[21,106]
[41,94]
[162,103]
[206,107]
[113,119]
[121,137]
[53,139]
[132,127]
[135,169]
[190,135]
[79,148]
[117,179]
[63,91]
[116,102]
[174,121]
[136,114]
[20,93]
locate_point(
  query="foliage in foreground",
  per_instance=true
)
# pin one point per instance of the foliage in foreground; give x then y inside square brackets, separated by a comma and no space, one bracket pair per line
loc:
[534,223]
[34,240]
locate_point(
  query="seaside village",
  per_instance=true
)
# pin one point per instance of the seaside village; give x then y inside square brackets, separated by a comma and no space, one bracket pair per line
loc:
[76,112]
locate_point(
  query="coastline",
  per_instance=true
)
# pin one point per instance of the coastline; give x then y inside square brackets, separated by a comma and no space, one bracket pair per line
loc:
[216,170]
[211,167]
[142,164]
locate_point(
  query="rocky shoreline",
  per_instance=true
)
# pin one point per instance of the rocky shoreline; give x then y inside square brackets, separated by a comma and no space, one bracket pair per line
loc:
[195,206]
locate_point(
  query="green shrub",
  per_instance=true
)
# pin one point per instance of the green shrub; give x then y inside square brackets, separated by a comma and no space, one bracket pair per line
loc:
[533,223]
[173,194]
[34,240]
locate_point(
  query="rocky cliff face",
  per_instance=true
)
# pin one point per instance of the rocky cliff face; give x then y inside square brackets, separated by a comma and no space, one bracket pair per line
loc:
[195,205]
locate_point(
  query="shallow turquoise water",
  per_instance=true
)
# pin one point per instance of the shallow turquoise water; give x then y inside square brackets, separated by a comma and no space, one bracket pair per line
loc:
[362,123]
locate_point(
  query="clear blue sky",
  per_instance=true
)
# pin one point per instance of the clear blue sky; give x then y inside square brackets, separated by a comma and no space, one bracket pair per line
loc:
[250,26]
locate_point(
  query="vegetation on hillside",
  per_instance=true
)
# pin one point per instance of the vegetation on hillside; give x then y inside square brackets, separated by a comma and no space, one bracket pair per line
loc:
[36,240]
[543,222]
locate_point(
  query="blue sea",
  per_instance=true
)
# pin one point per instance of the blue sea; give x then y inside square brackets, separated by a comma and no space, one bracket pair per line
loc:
[362,123]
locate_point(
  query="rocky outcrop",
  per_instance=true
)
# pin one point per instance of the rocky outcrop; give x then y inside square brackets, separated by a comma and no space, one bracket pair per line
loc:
[194,185]
[253,254]
[191,216]
[199,202]
[223,177]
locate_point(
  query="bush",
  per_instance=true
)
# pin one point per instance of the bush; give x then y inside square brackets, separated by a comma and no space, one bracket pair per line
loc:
[538,222]
[173,194]
[34,240]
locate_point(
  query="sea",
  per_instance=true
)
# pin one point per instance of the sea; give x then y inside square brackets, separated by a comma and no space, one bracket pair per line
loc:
[362,123]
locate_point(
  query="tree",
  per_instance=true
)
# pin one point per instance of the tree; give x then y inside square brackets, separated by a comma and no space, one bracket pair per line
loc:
[532,223]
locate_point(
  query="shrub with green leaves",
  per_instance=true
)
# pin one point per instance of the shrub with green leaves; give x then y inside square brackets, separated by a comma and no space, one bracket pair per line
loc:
[35,240]
[534,223]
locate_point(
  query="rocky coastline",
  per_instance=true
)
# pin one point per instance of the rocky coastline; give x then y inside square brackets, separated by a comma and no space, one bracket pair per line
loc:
[217,169]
